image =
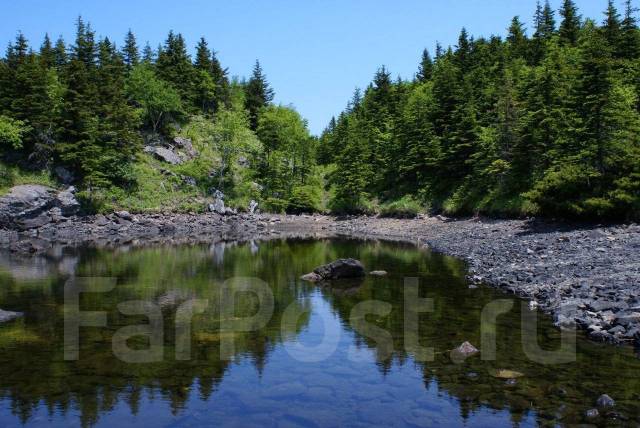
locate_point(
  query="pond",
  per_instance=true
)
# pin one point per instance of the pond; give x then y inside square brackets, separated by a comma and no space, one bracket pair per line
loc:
[228,335]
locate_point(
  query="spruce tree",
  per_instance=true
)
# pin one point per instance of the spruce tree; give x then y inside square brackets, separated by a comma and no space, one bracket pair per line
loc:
[517,39]
[203,56]
[47,53]
[148,55]
[630,38]
[174,66]
[571,23]
[258,94]
[60,53]
[612,28]
[425,70]
[130,52]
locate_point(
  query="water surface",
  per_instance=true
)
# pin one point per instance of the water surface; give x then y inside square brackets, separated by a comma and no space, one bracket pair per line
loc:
[320,368]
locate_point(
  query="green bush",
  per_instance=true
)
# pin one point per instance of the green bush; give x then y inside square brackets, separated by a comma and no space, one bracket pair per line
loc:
[304,199]
[406,207]
[275,205]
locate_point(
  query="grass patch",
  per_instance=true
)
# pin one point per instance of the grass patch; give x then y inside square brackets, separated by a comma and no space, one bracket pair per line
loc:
[406,207]
[13,176]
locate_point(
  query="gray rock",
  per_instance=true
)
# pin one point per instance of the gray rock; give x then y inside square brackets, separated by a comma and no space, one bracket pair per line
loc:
[186,145]
[592,413]
[466,350]
[342,268]
[68,203]
[253,205]
[218,207]
[30,206]
[6,316]
[311,277]
[164,155]
[124,215]
[604,402]
[378,273]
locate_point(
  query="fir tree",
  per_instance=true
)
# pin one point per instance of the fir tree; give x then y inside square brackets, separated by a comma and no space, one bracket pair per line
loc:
[258,94]
[148,55]
[571,23]
[630,38]
[517,39]
[60,53]
[47,53]
[425,70]
[130,52]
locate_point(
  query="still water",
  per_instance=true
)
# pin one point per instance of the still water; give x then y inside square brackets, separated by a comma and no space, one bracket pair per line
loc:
[317,361]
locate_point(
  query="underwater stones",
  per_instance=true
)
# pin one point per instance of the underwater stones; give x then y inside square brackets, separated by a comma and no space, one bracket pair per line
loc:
[605,402]
[378,273]
[311,277]
[463,352]
[6,316]
[339,269]
[592,413]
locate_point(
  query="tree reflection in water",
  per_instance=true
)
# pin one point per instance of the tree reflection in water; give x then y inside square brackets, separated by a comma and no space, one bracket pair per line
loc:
[362,382]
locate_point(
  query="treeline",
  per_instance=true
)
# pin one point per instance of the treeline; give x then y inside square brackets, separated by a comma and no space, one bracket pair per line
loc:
[542,124]
[90,106]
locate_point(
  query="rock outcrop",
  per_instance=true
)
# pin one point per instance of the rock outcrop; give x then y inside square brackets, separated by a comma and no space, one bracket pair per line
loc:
[31,206]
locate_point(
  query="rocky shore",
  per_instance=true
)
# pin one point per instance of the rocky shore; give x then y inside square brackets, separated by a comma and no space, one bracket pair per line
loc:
[584,275]
[587,275]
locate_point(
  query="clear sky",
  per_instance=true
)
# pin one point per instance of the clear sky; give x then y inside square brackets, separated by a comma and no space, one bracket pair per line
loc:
[314,52]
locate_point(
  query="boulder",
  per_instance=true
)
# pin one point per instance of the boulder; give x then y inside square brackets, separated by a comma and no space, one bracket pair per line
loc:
[218,207]
[163,154]
[463,351]
[378,273]
[185,145]
[6,316]
[604,402]
[253,205]
[342,268]
[31,206]
[68,203]
[311,277]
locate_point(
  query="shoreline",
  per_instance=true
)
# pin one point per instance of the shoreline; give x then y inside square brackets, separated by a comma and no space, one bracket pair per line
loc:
[589,275]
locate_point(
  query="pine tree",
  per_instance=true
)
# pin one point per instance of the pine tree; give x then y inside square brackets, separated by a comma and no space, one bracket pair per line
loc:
[47,53]
[463,51]
[630,38]
[148,55]
[517,39]
[571,23]
[130,51]
[612,28]
[174,66]
[60,53]
[221,80]
[203,56]
[425,70]
[258,94]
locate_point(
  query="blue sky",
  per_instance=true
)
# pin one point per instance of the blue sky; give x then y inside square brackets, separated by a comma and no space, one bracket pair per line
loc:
[315,52]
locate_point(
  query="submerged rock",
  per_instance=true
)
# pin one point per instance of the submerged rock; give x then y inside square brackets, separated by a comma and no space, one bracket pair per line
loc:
[378,273]
[463,352]
[604,402]
[342,268]
[6,316]
[592,413]
[311,277]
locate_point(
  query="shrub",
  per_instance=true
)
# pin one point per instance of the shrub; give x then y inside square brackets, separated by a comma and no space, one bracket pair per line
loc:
[406,207]
[304,199]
